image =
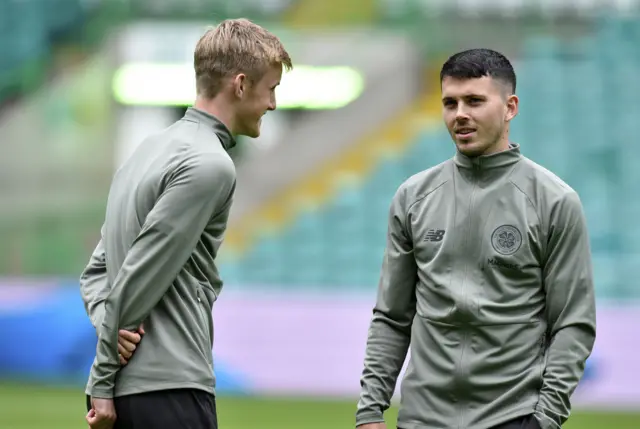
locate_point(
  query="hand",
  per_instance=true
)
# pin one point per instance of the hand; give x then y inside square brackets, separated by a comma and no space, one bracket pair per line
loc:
[372,426]
[127,343]
[102,414]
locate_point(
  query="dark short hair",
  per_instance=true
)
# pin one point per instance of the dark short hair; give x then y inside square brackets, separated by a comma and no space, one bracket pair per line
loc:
[477,63]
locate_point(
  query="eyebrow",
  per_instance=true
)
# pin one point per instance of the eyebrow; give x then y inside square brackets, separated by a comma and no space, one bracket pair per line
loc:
[473,95]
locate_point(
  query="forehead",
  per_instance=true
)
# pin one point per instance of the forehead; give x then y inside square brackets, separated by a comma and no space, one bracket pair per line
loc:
[454,87]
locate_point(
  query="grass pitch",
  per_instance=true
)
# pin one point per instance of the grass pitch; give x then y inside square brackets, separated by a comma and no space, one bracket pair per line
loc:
[39,407]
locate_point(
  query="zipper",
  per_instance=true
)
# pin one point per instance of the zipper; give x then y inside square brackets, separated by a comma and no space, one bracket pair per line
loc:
[467,245]
[201,305]
[203,318]
[461,402]
[543,357]
[465,308]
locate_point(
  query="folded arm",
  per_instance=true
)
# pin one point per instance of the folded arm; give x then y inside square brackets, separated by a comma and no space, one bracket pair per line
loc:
[198,189]
[94,285]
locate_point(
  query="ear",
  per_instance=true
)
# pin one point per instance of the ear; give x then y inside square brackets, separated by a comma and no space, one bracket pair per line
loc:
[239,83]
[512,107]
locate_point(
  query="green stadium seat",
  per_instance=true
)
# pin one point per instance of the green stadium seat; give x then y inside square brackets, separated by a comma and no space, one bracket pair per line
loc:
[28,31]
[605,274]
[541,47]
[230,274]
[626,275]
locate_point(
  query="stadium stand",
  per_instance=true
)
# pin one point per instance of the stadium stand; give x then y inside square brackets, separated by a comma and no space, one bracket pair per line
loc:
[576,119]
[29,32]
[41,42]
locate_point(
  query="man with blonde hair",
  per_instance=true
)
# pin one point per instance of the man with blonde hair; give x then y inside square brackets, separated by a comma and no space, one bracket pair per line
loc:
[166,216]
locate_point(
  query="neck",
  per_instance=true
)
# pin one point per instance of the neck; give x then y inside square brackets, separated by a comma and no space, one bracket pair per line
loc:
[486,162]
[218,108]
[500,146]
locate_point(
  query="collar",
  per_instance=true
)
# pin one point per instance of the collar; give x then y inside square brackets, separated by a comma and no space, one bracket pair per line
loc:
[486,162]
[218,127]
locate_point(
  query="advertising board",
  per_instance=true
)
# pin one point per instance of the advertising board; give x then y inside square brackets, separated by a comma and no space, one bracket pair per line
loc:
[279,343]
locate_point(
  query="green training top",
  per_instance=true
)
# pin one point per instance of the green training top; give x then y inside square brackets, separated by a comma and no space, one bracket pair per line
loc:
[487,275]
[166,215]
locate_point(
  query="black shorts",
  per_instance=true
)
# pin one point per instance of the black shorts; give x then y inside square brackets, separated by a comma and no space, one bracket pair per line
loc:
[175,409]
[526,422]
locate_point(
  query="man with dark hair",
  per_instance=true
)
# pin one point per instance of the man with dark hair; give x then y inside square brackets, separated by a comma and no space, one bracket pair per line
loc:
[478,63]
[486,274]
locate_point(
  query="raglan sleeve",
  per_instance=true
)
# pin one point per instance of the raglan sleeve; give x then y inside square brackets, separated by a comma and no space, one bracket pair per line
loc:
[390,327]
[94,285]
[199,188]
[571,309]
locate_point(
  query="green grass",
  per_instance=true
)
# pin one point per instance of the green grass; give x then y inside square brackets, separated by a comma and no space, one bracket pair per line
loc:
[37,407]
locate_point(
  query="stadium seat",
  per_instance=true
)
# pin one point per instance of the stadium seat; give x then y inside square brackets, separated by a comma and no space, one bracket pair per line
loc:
[29,30]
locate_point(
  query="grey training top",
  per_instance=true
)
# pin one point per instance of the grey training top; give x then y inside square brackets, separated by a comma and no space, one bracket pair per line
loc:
[487,275]
[166,215]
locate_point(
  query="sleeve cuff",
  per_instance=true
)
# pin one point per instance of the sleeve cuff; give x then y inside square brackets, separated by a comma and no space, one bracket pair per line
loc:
[101,393]
[367,418]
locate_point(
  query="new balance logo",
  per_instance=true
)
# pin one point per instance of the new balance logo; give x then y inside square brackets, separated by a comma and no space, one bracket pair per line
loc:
[434,235]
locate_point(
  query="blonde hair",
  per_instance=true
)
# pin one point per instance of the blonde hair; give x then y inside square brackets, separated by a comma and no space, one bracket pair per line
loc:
[235,46]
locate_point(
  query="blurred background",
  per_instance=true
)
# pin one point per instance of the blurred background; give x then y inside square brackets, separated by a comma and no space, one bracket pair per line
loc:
[83,81]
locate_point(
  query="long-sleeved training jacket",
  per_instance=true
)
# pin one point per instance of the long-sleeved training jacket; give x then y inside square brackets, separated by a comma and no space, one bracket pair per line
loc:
[487,275]
[166,214]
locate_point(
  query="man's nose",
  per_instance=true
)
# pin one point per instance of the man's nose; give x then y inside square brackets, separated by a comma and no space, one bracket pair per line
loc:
[462,114]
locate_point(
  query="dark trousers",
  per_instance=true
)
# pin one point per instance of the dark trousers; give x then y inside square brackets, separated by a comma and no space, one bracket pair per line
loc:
[526,422]
[175,409]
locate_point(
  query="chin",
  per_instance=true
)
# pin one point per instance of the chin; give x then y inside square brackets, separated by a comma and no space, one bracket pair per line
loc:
[469,149]
[254,134]
[251,132]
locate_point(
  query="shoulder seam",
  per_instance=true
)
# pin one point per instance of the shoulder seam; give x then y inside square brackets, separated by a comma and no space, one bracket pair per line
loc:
[406,214]
[550,175]
[422,197]
[530,202]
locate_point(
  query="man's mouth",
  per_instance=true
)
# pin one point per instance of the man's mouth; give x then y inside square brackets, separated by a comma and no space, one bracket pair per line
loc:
[465,132]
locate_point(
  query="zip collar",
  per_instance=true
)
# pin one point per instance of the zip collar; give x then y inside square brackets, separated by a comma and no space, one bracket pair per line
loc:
[221,130]
[487,162]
